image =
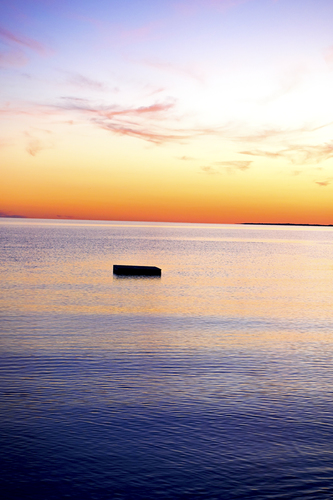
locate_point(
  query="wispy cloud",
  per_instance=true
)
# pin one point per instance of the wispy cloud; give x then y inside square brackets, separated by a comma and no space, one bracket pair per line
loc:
[185,158]
[266,154]
[8,37]
[297,154]
[288,144]
[147,122]
[262,135]
[16,47]
[33,147]
[28,109]
[75,103]
[152,109]
[210,170]
[156,123]
[154,91]
[234,165]
[152,133]
[35,144]
[230,167]
[147,135]
[280,134]
[323,183]
[84,82]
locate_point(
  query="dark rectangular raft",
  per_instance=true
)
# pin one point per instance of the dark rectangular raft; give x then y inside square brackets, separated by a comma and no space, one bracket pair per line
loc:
[136,270]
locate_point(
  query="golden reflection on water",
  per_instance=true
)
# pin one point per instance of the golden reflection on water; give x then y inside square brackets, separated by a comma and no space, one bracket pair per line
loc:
[224,271]
[233,296]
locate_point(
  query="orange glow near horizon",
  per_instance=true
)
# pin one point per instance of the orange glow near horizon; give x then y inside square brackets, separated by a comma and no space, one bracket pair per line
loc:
[168,193]
[176,131]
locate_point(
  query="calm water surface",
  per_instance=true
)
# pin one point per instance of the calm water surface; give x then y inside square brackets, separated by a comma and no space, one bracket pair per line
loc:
[211,382]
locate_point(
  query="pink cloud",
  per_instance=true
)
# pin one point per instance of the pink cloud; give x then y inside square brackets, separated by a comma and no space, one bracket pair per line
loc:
[127,121]
[150,132]
[10,38]
[143,122]
[152,109]
[15,54]
[113,111]
[146,134]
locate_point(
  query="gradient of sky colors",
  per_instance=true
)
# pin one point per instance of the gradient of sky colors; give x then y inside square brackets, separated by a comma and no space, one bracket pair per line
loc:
[167,110]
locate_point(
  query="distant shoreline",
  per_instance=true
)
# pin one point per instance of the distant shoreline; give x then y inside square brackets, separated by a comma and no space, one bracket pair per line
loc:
[8,216]
[285,224]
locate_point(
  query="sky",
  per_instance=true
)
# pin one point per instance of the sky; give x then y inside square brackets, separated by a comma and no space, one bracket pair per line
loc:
[216,111]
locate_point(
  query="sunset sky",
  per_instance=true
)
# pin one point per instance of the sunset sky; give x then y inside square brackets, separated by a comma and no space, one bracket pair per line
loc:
[167,110]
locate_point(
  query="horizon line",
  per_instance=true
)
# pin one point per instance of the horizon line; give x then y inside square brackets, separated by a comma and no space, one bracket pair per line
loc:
[8,216]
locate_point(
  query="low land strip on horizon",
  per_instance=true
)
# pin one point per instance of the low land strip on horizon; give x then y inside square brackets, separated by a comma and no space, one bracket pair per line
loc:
[285,224]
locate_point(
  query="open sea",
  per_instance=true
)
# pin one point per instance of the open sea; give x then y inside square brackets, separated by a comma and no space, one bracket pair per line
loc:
[214,381]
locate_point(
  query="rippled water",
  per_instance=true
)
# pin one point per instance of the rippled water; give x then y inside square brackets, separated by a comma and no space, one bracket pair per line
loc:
[211,382]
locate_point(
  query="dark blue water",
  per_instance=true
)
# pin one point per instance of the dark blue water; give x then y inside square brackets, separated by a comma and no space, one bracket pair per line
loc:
[116,389]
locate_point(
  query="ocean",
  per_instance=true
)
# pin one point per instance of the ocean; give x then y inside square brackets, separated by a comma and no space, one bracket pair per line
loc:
[213,381]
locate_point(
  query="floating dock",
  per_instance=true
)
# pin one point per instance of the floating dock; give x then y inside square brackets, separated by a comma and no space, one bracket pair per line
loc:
[136,270]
